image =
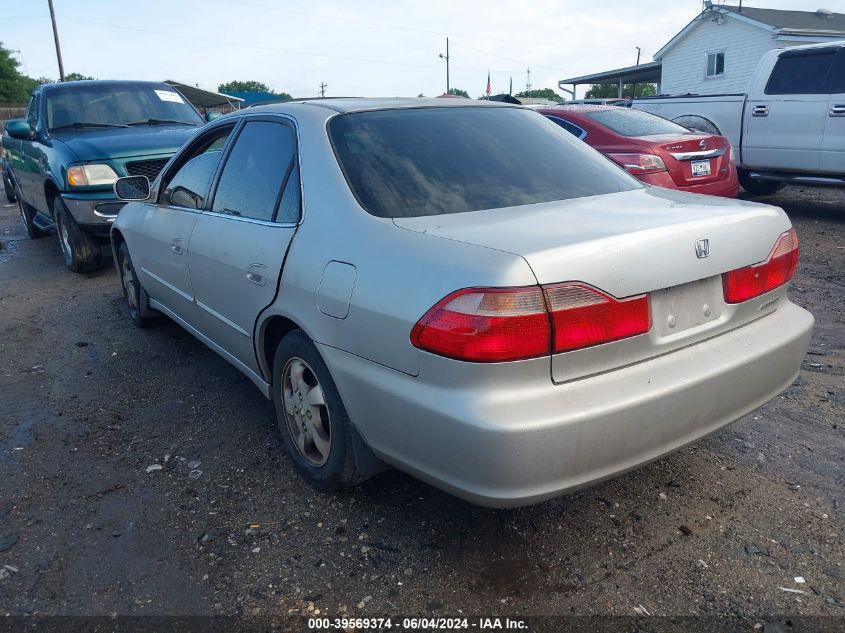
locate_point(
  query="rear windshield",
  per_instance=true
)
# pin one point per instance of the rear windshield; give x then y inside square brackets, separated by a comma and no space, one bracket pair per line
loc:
[428,161]
[636,122]
[104,104]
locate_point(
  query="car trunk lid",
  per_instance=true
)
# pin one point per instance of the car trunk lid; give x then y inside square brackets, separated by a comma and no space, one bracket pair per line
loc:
[692,159]
[626,244]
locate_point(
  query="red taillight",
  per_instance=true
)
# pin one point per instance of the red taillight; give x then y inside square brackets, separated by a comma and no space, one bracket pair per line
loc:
[506,324]
[639,163]
[486,325]
[583,316]
[746,283]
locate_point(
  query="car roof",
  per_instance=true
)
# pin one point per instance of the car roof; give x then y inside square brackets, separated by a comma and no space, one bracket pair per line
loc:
[363,104]
[103,82]
[584,108]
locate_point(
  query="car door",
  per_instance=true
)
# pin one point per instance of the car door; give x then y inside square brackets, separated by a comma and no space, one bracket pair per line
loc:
[786,122]
[238,246]
[160,245]
[31,163]
[833,143]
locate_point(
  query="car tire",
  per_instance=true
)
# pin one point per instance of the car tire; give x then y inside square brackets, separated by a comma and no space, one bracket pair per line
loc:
[82,251]
[759,187]
[9,189]
[314,424]
[28,215]
[133,293]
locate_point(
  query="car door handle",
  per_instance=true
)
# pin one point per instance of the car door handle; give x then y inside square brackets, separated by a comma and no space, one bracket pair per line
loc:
[255,278]
[837,110]
[256,274]
[760,110]
[176,246]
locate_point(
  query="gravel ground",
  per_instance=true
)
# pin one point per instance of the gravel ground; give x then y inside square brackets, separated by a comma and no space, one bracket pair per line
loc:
[134,463]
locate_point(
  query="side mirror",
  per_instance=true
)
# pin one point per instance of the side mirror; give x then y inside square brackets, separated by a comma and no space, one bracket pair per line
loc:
[132,188]
[211,115]
[19,129]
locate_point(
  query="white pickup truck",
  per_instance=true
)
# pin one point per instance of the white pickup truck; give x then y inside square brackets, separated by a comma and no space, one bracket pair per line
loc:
[789,128]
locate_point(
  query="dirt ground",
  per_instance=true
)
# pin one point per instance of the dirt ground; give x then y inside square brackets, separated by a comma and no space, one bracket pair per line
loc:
[88,404]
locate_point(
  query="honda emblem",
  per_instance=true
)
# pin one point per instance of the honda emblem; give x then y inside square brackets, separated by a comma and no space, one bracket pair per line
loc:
[702,248]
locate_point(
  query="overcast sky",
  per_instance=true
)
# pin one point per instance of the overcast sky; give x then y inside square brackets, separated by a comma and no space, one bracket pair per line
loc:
[372,48]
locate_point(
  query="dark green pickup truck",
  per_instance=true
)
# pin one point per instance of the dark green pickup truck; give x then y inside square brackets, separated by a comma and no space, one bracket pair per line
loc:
[78,137]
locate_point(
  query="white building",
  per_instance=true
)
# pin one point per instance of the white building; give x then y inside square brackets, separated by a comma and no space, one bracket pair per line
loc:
[718,50]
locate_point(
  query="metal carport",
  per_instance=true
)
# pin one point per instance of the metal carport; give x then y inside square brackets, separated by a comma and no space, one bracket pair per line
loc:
[640,74]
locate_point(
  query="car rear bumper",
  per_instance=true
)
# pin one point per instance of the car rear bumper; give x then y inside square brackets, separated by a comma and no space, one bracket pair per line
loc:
[93,212]
[724,188]
[503,444]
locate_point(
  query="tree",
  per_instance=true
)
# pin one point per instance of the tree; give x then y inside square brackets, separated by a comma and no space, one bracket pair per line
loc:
[78,77]
[458,92]
[542,93]
[244,86]
[611,91]
[14,87]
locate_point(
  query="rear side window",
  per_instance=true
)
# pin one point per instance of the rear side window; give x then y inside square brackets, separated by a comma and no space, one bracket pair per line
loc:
[258,167]
[429,161]
[801,73]
[568,126]
[635,122]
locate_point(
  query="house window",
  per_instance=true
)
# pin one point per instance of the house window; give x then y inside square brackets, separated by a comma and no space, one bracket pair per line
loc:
[715,64]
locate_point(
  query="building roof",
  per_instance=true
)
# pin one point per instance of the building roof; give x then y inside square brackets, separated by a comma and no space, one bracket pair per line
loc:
[203,98]
[813,21]
[820,23]
[644,73]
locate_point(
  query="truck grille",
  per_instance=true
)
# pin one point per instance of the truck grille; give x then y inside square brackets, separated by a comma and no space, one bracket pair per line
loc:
[148,168]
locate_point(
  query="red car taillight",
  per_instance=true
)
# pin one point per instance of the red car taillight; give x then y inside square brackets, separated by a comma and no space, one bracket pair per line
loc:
[639,163]
[746,283]
[583,316]
[507,324]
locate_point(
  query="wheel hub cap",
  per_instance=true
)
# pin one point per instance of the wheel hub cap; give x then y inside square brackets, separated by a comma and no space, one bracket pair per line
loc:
[306,413]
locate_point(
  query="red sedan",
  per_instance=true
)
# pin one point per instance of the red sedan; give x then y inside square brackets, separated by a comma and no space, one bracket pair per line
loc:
[657,151]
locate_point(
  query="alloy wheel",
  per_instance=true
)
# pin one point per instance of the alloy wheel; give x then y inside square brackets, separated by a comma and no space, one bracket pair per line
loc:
[306,413]
[129,289]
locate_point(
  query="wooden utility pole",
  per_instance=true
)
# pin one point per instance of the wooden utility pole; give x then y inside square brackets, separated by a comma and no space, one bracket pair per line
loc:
[56,39]
[323,87]
[446,57]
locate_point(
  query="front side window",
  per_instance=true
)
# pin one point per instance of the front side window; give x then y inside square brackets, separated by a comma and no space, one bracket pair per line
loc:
[428,161]
[256,171]
[836,78]
[801,72]
[189,185]
[32,112]
[715,64]
[635,123]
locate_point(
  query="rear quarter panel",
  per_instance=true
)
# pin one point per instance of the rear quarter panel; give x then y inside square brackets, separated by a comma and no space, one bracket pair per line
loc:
[399,274]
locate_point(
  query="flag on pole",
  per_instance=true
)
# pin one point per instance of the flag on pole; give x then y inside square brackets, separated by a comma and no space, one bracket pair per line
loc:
[488,84]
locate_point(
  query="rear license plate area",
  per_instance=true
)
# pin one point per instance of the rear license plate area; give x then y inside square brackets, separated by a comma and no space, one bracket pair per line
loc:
[700,168]
[686,308]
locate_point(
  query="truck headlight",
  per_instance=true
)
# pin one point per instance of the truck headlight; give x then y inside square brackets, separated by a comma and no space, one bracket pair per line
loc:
[87,175]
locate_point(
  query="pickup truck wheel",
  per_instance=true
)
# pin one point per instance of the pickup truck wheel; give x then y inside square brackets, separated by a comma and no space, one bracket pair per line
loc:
[131,288]
[759,187]
[82,251]
[27,215]
[315,427]
[9,188]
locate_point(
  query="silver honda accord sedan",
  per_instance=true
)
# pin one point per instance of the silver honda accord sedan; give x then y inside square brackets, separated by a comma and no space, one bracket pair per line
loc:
[461,290]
